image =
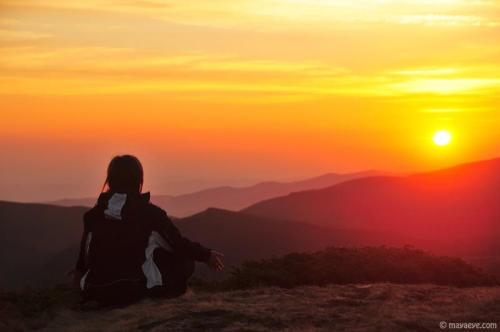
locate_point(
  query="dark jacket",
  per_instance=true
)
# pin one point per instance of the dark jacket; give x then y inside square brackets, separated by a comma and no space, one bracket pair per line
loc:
[115,249]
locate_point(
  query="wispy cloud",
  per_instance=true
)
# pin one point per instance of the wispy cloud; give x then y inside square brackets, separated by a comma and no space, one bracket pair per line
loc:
[442,110]
[97,70]
[254,12]
[19,35]
[447,80]
[447,86]
[446,20]
[101,70]
[446,71]
[345,47]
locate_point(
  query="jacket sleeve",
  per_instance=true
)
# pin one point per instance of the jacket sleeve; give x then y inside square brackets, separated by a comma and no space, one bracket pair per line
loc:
[81,263]
[181,244]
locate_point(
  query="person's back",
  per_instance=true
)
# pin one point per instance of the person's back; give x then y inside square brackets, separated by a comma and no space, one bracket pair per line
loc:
[112,251]
[130,247]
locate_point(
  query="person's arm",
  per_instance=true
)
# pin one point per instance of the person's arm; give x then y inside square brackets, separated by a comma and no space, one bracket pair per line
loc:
[183,245]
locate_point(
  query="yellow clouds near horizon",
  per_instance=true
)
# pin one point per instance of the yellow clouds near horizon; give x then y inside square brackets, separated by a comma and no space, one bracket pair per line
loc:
[303,48]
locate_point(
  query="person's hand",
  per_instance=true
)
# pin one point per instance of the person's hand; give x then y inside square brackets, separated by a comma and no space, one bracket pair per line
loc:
[215,261]
[77,276]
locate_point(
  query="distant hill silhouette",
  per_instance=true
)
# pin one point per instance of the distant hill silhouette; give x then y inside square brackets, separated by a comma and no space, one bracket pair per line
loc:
[33,237]
[231,198]
[453,211]
[241,236]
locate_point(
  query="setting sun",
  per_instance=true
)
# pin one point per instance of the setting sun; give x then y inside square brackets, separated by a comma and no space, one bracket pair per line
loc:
[442,138]
[236,92]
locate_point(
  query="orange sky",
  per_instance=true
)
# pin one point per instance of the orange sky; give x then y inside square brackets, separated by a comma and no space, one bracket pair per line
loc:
[237,91]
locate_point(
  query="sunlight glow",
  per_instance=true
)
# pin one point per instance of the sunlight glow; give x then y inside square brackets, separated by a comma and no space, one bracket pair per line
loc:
[442,138]
[260,85]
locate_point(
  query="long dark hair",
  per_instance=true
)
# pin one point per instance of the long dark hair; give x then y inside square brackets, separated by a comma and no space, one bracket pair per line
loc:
[125,175]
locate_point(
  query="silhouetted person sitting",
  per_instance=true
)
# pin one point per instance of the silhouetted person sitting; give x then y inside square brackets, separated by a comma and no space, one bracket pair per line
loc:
[130,248]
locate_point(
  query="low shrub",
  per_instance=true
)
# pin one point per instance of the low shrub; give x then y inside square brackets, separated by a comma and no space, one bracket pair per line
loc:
[354,265]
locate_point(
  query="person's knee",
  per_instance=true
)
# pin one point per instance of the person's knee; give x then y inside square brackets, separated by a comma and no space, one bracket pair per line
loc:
[172,264]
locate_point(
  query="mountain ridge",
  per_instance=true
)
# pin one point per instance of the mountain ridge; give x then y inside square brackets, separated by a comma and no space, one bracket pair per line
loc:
[230,197]
[459,201]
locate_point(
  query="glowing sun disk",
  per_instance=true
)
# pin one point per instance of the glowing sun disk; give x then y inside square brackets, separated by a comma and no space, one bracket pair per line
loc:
[442,138]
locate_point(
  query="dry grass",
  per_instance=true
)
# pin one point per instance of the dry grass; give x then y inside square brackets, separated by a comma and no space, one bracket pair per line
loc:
[377,307]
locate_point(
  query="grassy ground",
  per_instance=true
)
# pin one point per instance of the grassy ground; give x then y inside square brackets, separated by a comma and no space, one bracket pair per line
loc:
[377,307]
